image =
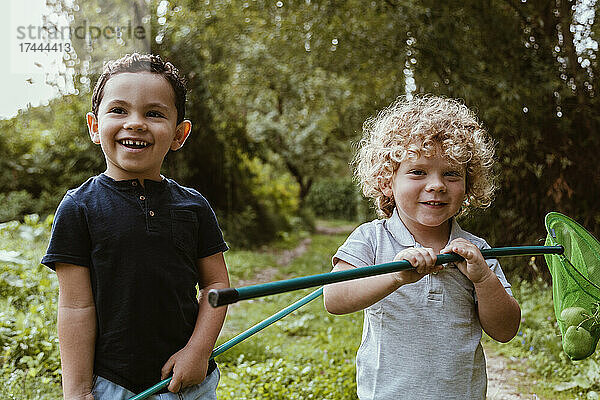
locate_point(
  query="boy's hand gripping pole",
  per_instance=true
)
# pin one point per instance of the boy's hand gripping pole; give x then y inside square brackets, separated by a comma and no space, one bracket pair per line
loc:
[220,297]
[239,338]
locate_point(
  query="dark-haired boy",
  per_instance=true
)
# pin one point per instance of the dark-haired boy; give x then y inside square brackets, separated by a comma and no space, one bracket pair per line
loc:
[130,246]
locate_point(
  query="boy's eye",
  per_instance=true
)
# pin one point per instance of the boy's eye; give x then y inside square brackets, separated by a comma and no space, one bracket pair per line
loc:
[117,110]
[155,114]
[416,172]
[455,174]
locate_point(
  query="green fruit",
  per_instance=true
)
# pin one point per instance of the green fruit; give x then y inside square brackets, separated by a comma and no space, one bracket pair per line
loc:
[573,316]
[578,343]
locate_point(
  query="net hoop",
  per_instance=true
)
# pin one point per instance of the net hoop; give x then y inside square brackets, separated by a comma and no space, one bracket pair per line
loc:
[552,220]
[575,284]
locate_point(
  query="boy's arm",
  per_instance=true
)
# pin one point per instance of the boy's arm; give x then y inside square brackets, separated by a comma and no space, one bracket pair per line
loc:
[357,294]
[499,313]
[189,365]
[76,330]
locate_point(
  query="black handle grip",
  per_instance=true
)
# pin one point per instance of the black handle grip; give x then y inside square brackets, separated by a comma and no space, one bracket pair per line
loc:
[222,297]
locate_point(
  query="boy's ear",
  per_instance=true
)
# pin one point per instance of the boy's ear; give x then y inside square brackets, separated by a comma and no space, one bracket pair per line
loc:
[92,123]
[182,131]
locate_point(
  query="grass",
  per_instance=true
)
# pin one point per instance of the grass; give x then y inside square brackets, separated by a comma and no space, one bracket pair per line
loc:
[309,354]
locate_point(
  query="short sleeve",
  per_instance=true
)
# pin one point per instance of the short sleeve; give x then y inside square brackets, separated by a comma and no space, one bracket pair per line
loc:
[70,239]
[210,236]
[358,250]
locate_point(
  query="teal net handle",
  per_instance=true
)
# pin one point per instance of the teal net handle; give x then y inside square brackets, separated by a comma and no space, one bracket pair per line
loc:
[373,270]
[220,297]
[239,338]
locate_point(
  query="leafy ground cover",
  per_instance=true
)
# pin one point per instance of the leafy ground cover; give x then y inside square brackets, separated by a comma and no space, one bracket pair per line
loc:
[308,354]
[29,357]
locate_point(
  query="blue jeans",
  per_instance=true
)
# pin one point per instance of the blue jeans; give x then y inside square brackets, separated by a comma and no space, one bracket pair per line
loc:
[207,390]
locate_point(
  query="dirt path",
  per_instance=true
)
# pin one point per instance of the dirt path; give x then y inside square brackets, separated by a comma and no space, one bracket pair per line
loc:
[504,382]
[501,380]
[284,258]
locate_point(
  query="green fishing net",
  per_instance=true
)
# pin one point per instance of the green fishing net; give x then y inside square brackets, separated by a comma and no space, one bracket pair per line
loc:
[575,284]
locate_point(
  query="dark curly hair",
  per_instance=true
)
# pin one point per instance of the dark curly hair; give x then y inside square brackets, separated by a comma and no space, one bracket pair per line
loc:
[142,63]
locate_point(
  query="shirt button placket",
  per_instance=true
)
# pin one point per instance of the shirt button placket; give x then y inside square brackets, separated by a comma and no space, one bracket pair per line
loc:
[149,213]
[152,222]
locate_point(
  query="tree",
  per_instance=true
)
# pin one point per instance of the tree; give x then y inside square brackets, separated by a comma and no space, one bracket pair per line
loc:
[284,87]
[516,63]
[265,82]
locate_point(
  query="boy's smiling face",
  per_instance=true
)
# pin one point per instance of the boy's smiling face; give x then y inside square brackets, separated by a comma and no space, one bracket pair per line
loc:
[137,125]
[428,191]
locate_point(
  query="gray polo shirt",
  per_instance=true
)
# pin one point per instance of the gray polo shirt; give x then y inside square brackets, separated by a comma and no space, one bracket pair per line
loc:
[423,340]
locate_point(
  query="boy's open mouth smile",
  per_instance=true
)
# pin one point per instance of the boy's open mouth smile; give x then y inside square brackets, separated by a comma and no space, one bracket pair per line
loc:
[133,143]
[433,203]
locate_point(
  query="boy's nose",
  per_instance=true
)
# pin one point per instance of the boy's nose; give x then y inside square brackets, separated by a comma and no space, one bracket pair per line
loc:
[134,124]
[436,184]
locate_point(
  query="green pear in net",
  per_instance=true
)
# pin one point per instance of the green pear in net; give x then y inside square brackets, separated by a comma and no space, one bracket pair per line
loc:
[575,284]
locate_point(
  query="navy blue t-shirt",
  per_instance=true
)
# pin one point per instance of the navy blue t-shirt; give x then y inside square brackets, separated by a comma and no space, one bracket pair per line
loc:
[142,245]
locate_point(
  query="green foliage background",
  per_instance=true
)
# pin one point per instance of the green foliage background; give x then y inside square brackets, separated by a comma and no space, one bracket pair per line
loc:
[279,90]
[278,94]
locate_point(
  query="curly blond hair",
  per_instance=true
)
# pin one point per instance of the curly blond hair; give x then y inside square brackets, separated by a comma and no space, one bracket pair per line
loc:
[419,126]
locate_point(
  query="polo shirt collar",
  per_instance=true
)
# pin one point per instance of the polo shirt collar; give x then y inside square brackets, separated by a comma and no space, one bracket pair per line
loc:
[456,231]
[400,232]
[133,183]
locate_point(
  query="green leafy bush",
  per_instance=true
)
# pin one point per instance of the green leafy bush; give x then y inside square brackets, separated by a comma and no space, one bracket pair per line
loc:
[43,152]
[28,339]
[338,198]
[326,378]
[270,207]
[15,203]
